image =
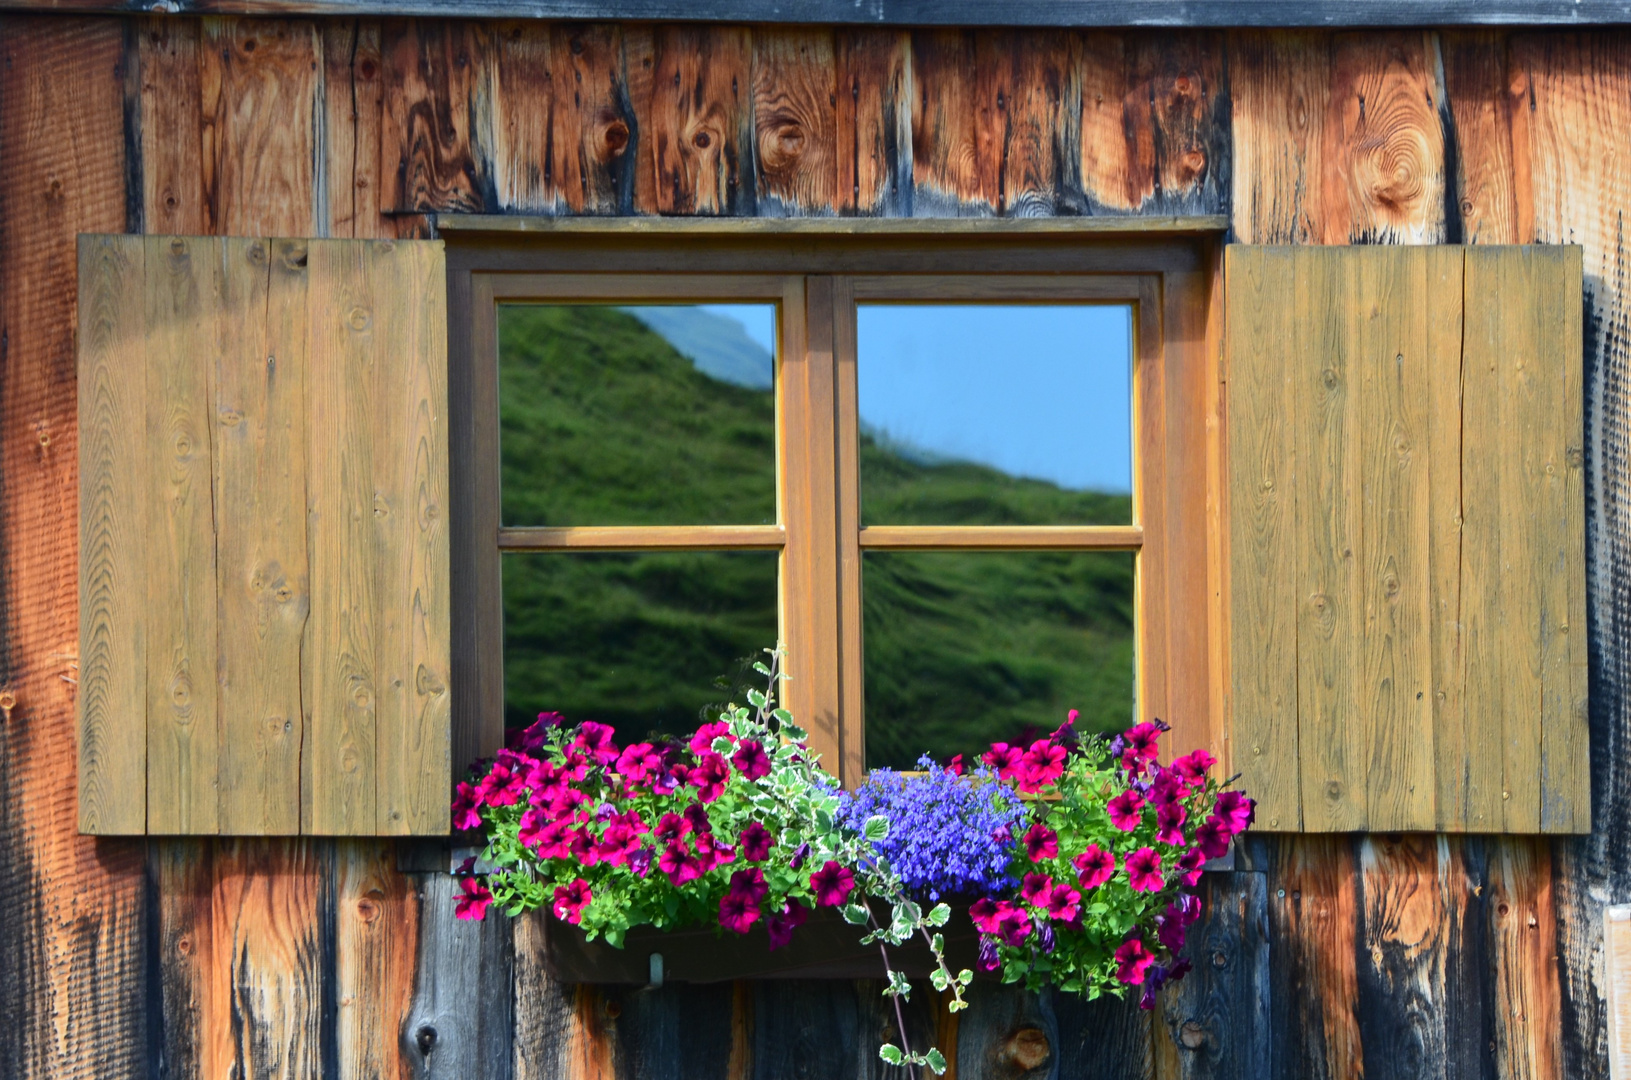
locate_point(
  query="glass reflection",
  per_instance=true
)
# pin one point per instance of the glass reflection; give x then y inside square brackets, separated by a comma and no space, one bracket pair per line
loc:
[638,415]
[633,640]
[963,649]
[995,414]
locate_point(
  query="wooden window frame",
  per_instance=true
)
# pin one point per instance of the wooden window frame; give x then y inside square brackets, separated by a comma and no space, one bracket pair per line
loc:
[816,273]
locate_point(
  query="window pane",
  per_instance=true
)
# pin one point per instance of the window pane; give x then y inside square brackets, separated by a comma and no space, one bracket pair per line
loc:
[964,649]
[637,416]
[633,640]
[995,414]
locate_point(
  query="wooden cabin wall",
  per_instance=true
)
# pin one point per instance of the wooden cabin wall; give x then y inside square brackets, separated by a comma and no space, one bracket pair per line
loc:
[1412,956]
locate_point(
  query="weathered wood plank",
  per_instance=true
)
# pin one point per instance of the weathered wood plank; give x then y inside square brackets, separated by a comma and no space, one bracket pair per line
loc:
[524,158]
[1521,929]
[1280,82]
[1404,921]
[353,100]
[1177,112]
[1107,1038]
[1106,145]
[1029,98]
[1218,1017]
[795,122]
[702,121]
[181,287]
[437,118]
[406,335]
[1006,1034]
[543,1022]
[340,677]
[948,173]
[461,1020]
[679,1032]
[259,83]
[1263,596]
[113,528]
[1383,153]
[376,912]
[874,124]
[1475,82]
[182,871]
[171,128]
[260,377]
[597,123]
[1390,361]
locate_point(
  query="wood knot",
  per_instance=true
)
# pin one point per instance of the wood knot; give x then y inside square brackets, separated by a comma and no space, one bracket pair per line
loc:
[425,1039]
[184,945]
[1027,1049]
[1333,790]
[367,910]
[614,1009]
[249,45]
[367,69]
[701,140]
[8,702]
[426,682]
[615,138]
[1192,1035]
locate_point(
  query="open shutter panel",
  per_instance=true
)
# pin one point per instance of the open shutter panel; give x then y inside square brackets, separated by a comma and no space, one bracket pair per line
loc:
[1407,640]
[263,537]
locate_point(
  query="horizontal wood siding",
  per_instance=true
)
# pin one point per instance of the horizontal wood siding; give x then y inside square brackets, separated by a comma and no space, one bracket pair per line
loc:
[131,957]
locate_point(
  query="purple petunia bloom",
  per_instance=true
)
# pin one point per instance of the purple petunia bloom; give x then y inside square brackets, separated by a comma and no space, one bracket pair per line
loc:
[1144,870]
[751,760]
[755,842]
[832,884]
[1094,866]
[1041,843]
[1126,810]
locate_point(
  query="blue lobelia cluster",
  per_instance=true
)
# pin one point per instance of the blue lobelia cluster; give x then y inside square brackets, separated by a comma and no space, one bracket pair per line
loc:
[949,835]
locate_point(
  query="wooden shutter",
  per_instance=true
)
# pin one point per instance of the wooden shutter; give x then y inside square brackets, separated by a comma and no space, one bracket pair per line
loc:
[1406,597]
[263,536]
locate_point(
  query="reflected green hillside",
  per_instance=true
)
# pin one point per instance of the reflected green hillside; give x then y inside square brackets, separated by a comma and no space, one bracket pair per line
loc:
[604,422]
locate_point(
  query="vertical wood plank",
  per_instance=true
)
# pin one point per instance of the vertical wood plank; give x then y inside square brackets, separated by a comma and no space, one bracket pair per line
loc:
[702,120]
[1218,1016]
[376,926]
[1384,178]
[874,125]
[353,92]
[543,1007]
[1177,111]
[113,668]
[1475,82]
[1263,596]
[525,160]
[171,128]
[340,679]
[1404,923]
[438,99]
[1107,1038]
[795,121]
[1280,82]
[1030,105]
[948,174]
[1106,148]
[183,876]
[182,290]
[1389,372]
[597,126]
[1006,1034]
[461,1020]
[260,493]
[1521,941]
[259,80]
[676,1033]
[407,335]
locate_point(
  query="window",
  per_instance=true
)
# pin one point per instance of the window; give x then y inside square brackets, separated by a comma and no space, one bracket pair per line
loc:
[950,495]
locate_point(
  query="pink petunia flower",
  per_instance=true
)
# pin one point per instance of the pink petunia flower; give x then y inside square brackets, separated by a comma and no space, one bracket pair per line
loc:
[1041,843]
[955,766]
[679,864]
[780,926]
[500,787]
[1236,811]
[596,740]
[751,760]
[832,884]
[1193,765]
[1064,729]
[702,740]
[1169,822]
[1061,903]
[1094,866]
[1035,888]
[696,816]
[1144,870]
[639,763]
[1043,764]
[738,912]
[1212,838]
[1126,810]
[1014,926]
[581,846]
[570,900]
[472,901]
[711,853]
[1141,746]
[985,913]
[750,883]
[1004,759]
[1133,960]
[710,776]
[1189,866]
[755,842]
[670,827]
[466,800]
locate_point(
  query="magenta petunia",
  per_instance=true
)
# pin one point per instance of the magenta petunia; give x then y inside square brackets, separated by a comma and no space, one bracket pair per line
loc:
[1212,838]
[1193,765]
[570,900]
[670,827]
[1169,823]
[751,760]
[582,846]
[1043,764]
[1144,870]
[1141,746]
[1189,866]
[472,900]
[1014,926]
[832,884]
[1004,759]
[780,926]
[738,912]
[985,913]
[1133,960]
[1061,903]
[1094,866]
[702,740]
[466,800]
[596,740]
[679,864]
[500,787]
[750,883]
[710,776]
[1126,810]
[696,816]
[1035,889]
[1064,729]
[711,853]
[1041,843]
[755,842]
[955,766]
[1236,811]
[639,763]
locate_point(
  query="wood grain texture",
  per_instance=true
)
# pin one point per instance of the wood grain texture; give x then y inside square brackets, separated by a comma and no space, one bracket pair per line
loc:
[1107,1038]
[701,125]
[353,111]
[1029,116]
[795,121]
[1280,82]
[1520,925]
[1482,206]
[1218,1017]
[598,115]
[113,526]
[951,151]
[461,1019]
[259,83]
[544,1016]
[1178,118]
[182,621]
[1405,920]
[874,124]
[376,916]
[171,128]
[437,118]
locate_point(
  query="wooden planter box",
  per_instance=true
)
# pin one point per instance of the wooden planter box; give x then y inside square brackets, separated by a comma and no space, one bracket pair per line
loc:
[825,947]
